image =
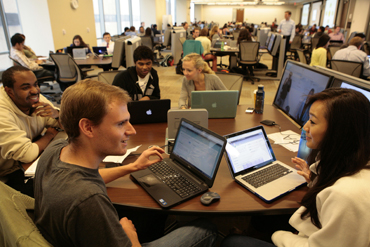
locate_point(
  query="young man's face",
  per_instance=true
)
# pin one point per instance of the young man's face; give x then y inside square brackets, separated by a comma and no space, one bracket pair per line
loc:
[25,91]
[107,38]
[143,67]
[115,130]
[19,46]
[195,33]
[286,15]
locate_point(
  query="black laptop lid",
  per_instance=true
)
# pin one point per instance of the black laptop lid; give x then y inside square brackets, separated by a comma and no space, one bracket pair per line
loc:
[149,111]
[199,150]
[100,50]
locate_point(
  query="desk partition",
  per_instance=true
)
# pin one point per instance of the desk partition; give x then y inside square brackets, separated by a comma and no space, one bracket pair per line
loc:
[176,46]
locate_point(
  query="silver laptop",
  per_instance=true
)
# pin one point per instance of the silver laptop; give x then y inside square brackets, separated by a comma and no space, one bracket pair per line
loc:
[79,53]
[198,116]
[219,103]
[253,165]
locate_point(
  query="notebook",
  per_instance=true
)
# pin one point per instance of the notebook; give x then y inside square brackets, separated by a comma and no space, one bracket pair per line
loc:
[79,53]
[249,155]
[149,111]
[100,50]
[194,162]
[174,116]
[219,103]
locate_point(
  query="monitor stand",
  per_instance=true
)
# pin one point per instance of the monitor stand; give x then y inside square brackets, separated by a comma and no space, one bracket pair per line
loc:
[275,60]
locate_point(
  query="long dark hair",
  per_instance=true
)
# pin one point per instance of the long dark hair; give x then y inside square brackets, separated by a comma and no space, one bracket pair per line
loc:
[82,43]
[323,40]
[345,148]
[244,35]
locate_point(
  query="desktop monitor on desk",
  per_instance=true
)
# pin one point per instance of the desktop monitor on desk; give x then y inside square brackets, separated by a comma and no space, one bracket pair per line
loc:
[351,82]
[118,58]
[297,82]
[271,42]
[274,44]
[130,46]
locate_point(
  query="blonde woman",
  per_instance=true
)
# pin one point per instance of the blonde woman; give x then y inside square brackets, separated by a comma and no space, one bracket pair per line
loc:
[198,77]
[214,33]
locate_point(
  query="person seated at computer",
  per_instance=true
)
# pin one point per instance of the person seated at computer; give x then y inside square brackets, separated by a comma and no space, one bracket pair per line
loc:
[320,53]
[195,34]
[206,43]
[131,32]
[353,53]
[108,42]
[313,29]
[24,115]
[328,30]
[335,210]
[198,76]
[245,35]
[140,81]
[28,51]
[141,31]
[214,33]
[126,29]
[336,35]
[225,30]
[72,207]
[77,41]
[155,31]
[319,33]
[16,53]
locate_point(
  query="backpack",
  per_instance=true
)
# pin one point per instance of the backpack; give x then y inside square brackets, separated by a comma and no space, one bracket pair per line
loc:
[167,61]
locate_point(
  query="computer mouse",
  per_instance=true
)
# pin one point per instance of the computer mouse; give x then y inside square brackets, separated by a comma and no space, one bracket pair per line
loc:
[209,197]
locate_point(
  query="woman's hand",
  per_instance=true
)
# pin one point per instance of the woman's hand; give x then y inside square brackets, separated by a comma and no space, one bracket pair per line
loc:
[303,168]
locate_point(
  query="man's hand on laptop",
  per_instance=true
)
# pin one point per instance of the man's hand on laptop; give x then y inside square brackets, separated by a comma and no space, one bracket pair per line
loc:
[303,168]
[144,159]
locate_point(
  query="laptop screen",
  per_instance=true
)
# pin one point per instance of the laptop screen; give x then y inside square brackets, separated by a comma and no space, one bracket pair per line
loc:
[248,149]
[198,148]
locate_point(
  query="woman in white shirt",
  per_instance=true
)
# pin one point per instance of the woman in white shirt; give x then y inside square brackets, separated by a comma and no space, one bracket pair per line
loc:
[206,43]
[335,210]
[319,54]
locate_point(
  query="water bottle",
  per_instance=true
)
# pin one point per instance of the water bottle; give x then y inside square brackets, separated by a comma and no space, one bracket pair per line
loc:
[222,45]
[260,98]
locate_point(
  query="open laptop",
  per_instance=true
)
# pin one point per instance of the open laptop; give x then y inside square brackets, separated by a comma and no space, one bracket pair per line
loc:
[149,111]
[100,50]
[249,156]
[174,116]
[190,170]
[219,103]
[79,53]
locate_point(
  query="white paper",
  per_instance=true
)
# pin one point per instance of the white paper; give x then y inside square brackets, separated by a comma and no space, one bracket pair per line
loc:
[30,172]
[120,158]
[288,139]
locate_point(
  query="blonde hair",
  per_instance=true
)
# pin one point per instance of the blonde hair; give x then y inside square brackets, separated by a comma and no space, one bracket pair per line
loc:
[198,62]
[87,99]
[213,31]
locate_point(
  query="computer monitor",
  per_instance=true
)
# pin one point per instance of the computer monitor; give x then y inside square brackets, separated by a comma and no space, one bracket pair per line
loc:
[350,82]
[275,49]
[118,58]
[351,36]
[70,49]
[271,42]
[268,39]
[297,82]
[130,46]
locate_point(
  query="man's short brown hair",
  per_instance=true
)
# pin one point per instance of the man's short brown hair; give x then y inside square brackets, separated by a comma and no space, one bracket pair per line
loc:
[289,13]
[356,41]
[87,99]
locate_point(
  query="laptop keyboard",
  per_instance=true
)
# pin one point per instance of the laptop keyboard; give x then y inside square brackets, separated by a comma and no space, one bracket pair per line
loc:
[266,175]
[178,183]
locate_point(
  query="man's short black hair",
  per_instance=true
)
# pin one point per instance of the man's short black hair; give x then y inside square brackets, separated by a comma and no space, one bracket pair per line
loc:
[8,75]
[322,29]
[361,35]
[143,52]
[17,39]
[106,33]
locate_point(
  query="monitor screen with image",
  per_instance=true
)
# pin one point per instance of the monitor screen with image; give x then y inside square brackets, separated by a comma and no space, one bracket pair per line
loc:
[297,83]
[271,42]
[354,84]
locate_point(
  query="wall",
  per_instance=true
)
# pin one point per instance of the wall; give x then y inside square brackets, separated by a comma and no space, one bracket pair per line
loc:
[198,9]
[147,12]
[253,14]
[36,27]
[160,11]
[74,21]
[182,10]
[360,16]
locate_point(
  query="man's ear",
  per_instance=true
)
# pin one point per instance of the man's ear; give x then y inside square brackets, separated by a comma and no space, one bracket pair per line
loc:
[9,91]
[86,127]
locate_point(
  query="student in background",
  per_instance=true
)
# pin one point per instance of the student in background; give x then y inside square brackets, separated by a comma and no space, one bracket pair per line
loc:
[108,42]
[140,81]
[214,33]
[320,53]
[141,31]
[336,35]
[198,76]
[335,209]
[78,41]
[206,43]
[195,34]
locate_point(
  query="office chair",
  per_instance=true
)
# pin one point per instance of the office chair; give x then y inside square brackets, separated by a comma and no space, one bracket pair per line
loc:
[67,70]
[248,56]
[108,76]
[17,229]
[236,34]
[347,67]
[296,44]
[302,57]
[232,81]
[148,42]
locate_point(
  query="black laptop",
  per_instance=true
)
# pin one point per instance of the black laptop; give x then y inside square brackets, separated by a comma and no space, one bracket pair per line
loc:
[100,50]
[149,111]
[190,170]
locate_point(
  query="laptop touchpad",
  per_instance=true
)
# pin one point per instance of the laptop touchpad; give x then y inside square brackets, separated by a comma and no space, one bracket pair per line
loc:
[150,180]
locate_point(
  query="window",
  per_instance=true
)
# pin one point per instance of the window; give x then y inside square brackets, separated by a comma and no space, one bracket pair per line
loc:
[9,25]
[114,15]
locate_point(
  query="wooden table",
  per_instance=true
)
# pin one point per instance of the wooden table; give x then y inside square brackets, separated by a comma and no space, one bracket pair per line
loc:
[235,200]
[91,60]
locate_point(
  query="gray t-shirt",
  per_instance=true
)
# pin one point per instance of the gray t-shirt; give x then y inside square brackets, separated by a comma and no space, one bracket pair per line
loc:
[72,207]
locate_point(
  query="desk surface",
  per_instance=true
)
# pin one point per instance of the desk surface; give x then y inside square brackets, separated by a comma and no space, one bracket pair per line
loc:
[94,61]
[234,198]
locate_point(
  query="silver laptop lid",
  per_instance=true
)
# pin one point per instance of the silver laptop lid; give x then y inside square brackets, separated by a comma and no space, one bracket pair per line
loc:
[198,116]
[79,53]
